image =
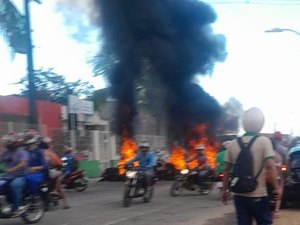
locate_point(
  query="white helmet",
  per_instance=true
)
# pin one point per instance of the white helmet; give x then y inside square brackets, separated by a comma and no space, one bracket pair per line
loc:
[8,139]
[145,144]
[47,140]
[200,147]
[31,136]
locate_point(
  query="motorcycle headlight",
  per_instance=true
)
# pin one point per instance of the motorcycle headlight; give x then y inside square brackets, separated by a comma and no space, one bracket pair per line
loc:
[185,171]
[131,174]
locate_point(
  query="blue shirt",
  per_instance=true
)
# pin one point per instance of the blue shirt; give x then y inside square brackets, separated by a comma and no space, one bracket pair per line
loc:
[11,158]
[69,161]
[147,161]
[37,158]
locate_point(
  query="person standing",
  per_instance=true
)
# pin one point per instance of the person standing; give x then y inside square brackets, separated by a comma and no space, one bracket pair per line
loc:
[253,205]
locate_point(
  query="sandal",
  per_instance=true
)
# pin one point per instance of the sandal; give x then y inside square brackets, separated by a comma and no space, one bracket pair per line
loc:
[66,207]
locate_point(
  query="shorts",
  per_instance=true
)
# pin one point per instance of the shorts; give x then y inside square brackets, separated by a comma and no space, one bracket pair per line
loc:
[54,173]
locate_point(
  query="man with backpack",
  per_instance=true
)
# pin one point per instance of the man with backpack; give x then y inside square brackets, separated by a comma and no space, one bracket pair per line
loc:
[248,157]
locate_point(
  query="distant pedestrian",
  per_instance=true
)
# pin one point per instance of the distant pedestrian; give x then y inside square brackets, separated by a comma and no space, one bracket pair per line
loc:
[278,146]
[278,163]
[253,205]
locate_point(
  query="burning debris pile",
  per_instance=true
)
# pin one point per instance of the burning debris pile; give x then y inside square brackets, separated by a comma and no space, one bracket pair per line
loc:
[176,39]
[179,155]
[127,151]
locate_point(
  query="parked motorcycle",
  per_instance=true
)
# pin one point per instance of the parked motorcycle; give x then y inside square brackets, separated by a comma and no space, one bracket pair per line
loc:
[188,179]
[135,186]
[32,206]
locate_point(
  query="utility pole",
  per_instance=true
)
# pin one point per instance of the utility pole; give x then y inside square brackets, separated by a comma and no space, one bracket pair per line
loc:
[33,116]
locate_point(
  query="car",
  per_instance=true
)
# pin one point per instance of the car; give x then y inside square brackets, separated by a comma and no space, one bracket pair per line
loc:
[291,172]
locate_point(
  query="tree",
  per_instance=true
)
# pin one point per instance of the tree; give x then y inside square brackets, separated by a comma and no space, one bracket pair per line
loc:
[53,87]
[12,26]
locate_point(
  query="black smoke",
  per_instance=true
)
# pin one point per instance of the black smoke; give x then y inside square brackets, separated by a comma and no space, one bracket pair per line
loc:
[176,38]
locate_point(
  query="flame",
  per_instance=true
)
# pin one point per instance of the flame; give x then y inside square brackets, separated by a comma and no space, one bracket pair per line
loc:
[127,151]
[177,158]
[210,146]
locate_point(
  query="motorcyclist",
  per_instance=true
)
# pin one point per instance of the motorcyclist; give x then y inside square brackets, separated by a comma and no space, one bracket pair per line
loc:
[203,166]
[54,164]
[70,162]
[14,159]
[37,165]
[147,162]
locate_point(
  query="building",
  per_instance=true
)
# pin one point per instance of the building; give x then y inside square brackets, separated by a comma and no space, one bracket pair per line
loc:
[14,115]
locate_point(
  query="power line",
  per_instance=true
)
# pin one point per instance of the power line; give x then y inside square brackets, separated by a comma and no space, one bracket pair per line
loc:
[257,2]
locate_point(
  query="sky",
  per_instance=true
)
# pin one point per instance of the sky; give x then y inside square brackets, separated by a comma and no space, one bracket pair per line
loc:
[261,69]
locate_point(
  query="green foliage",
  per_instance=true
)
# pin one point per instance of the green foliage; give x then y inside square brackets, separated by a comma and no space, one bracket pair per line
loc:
[99,98]
[12,26]
[53,87]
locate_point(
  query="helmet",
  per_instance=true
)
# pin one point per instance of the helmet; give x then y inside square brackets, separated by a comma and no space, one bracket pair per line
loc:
[47,140]
[9,138]
[200,147]
[68,149]
[145,144]
[31,136]
[277,135]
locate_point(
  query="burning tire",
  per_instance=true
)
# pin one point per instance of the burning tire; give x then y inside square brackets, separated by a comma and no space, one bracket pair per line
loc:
[176,188]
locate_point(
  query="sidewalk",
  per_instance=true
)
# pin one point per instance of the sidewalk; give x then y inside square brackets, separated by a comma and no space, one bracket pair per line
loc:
[288,217]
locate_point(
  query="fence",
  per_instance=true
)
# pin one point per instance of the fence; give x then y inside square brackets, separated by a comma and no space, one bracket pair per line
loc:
[97,150]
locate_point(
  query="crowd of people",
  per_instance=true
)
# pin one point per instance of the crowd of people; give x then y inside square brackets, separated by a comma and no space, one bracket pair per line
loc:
[269,155]
[28,159]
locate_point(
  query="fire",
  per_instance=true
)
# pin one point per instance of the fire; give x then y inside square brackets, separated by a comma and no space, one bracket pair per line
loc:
[177,158]
[127,151]
[210,147]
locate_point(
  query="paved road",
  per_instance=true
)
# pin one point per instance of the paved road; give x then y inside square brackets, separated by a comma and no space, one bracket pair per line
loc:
[101,204]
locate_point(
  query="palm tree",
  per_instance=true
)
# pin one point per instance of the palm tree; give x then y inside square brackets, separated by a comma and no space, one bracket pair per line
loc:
[12,26]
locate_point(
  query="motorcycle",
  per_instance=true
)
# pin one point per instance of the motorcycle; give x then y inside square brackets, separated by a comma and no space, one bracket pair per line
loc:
[188,179]
[48,196]
[75,180]
[32,209]
[135,186]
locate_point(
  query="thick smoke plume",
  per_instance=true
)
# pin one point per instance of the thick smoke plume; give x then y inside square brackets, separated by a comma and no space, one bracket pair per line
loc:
[175,37]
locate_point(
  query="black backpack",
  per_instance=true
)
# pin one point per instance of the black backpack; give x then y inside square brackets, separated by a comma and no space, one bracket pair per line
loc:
[243,179]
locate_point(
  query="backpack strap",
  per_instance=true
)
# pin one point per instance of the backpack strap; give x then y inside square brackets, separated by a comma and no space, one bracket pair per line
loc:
[247,146]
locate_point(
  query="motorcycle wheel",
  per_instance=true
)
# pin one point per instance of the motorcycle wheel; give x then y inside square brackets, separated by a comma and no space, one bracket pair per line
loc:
[80,184]
[148,196]
[206,188]
[176,188]
[35,211]
[126,199]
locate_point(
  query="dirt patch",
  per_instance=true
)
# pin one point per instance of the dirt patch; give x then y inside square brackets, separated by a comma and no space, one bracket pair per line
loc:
[227,219]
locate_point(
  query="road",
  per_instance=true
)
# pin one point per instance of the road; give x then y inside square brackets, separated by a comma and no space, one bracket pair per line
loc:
[101,204]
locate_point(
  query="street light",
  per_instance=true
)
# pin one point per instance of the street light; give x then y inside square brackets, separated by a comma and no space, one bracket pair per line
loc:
[33,120]
[278,30]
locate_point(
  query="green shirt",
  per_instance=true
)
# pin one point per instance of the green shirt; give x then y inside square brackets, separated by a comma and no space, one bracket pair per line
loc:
[220,161]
